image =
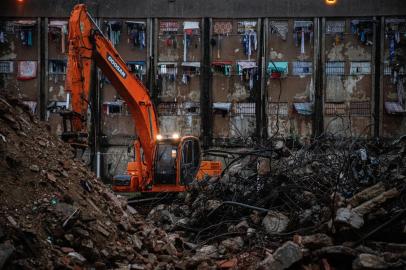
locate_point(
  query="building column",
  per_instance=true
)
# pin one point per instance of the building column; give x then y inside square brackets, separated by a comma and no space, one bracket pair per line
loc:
[152,52]
[42,29]
[319,78]
[261,97]
[377,73]
[206,95]
[153,61]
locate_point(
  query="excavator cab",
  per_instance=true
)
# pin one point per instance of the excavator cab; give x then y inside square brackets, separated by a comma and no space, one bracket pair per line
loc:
[165,162]
[176,164]
[177,161]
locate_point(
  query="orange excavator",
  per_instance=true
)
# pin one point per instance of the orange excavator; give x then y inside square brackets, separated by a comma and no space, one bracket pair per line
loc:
[162,163]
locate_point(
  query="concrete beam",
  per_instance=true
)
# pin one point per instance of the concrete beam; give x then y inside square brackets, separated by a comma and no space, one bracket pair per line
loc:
[206,8]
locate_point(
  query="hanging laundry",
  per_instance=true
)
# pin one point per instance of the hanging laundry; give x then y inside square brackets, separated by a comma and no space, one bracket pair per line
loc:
[391,50]
[363,29]
[223,67]
[168,71]
[2,37]
[22,37]
[249,42]
[185,79]
[247,71]
[136,33]
[114,31]
[302,45]
[189,29]
[397,37]
[301,31]
[29,38]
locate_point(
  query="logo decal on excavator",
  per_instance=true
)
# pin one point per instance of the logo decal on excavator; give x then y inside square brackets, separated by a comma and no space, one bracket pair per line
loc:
[116,66]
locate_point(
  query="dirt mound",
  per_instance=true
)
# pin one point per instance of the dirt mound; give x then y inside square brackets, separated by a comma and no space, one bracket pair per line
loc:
[56,214]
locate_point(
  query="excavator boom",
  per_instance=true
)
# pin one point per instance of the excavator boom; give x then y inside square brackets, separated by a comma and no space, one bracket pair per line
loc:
[166,165]
[88,47]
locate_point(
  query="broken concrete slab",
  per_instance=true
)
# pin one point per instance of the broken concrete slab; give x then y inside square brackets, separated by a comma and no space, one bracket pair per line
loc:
[366,194]
[349,217]
[233,244]
[372,204]
[275,222]
[366,261]
[283,258]
[77,257]
[207,251]
[314,241]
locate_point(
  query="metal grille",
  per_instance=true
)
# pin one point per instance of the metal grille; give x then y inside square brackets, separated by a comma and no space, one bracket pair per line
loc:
[57,67]
[244,26]
[360,68]
[360,108]
[279,27]
[167,68]
[332,109]
[303,24]
[244,109]
[333,27]
[168,108]
[283,108]
[335,68]
[190,108]
[301,68]
[6,67]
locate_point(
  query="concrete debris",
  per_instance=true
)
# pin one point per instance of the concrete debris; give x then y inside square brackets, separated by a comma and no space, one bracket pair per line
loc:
[314,241]
[325,205]
[59,220]
[275,222]
[213,204]
[372,204]
[283,258]
[366,194]
[233,244]
[349,217]
[34,168]
[77,257]
[207,251]
[369,262]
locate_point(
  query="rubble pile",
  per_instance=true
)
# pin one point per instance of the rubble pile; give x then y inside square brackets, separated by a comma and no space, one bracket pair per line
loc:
[331,204]
[56,215]
[335,203]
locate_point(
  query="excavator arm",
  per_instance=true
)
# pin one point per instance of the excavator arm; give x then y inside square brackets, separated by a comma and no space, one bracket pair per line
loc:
[88,47]
[168,164]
